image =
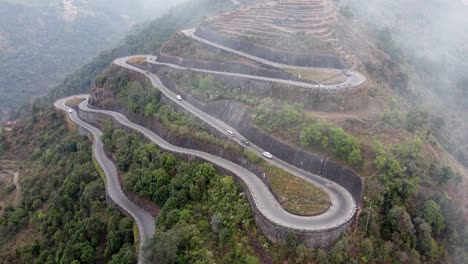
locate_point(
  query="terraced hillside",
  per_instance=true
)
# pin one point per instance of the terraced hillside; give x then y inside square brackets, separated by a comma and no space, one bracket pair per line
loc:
[300,26]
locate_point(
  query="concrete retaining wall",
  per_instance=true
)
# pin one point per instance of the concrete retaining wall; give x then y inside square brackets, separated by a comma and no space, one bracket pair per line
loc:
[307,60]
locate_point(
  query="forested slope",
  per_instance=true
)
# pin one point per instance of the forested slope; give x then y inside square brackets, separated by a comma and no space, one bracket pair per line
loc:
[63,217]
[146,39]
[43,41]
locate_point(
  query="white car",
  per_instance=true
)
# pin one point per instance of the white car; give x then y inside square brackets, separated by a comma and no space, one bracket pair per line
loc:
[70,111]
[267,155]
[230,133]
[179,97]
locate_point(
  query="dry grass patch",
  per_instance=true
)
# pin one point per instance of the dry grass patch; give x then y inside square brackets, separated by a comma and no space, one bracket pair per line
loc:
[296,195]
[74,102]
[312,75]
[339,78]
[137,61]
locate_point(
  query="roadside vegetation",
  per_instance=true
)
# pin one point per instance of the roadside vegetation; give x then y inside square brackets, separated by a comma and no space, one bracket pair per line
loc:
[63,217]
[405,181]
[140,97]
[288,122]
[206,88]
[296,195]
[412,217]
[204,216]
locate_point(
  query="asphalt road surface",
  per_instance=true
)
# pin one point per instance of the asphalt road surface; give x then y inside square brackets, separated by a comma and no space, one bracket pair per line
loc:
[341,199]
[144,221]
[339,213]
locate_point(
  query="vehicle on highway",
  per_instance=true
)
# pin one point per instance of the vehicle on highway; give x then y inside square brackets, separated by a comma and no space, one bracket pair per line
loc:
[230,133]
[70,111]
[246,142]
[267,155]
[347,73]
[147,72]
[179,97]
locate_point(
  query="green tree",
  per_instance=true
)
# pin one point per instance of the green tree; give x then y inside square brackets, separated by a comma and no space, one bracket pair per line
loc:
[126,255]
[433,215]
[164,247]
[291,242]
[426,244]
[416,119]
[355,157]
[399,226]
[289,115]
[310,134]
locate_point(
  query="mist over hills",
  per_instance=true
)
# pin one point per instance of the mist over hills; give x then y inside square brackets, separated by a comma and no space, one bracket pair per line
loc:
[43,41]
[429,38]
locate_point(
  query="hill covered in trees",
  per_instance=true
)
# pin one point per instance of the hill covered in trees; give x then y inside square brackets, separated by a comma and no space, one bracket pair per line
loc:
[409,211]
[43,41]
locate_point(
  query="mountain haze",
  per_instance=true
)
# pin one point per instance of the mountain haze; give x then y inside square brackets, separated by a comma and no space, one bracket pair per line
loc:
[42,41]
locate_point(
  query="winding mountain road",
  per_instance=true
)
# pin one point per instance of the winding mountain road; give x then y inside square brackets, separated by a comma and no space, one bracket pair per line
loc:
[342,209]
[143,220]
[343,205]
[355,78]
[339,213]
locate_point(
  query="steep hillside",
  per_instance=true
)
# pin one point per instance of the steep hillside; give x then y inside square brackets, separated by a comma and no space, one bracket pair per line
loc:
[145,39]
[428,39]
[407,173]
[411,210]
[63,216]
[43,41]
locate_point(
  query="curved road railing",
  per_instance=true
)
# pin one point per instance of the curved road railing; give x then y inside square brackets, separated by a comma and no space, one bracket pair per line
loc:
[143,220]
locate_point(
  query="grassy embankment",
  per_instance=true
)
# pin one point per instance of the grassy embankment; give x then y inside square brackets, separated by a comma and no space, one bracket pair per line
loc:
[325,77]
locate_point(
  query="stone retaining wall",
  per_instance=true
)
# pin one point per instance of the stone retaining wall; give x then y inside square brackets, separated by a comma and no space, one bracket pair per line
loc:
[306,60]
